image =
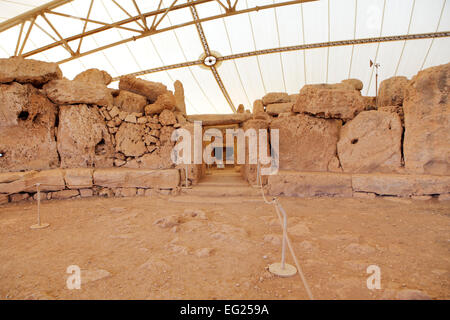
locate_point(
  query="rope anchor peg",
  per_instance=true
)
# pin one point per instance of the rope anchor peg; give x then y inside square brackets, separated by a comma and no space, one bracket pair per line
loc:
[39,225]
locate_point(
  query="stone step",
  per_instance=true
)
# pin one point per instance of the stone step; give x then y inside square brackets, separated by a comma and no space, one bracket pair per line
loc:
[221,191]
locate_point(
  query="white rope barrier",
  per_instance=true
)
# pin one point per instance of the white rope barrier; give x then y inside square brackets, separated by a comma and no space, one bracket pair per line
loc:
[283,223]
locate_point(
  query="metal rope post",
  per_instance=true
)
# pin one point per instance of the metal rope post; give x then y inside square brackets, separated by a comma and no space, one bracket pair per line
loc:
[39,225]
[282,269]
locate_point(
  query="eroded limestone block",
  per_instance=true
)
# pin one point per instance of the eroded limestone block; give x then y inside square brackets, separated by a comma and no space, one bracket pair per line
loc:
[129,139]
[64,194]
[139,178]
[83,138]
[310,184]
[328,102]
[371,142]
[25,105]
[130,102]
[258,107]
[275,97]
[400,185]
[28,71]
[24,148]
[164,101]
[78,178]
[179,97]
[78,92]
[277,108]
[151,90]
[427,122]
[306,143]
[392,91]
[167,118]
[94,76]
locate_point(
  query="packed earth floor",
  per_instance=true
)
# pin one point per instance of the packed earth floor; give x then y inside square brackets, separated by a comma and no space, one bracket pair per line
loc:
[191,247]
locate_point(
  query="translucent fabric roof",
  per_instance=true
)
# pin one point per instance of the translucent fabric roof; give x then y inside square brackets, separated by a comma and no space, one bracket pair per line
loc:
[258,46]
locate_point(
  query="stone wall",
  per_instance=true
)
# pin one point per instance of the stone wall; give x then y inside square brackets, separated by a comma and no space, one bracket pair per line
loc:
[87,182]
[49,122]
[333,128]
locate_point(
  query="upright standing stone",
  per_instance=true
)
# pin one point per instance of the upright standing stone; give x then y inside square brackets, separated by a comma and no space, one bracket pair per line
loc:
[179,97]
[427,121]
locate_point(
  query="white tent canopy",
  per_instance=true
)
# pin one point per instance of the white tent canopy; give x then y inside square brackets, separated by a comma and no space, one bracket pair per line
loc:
[279,47]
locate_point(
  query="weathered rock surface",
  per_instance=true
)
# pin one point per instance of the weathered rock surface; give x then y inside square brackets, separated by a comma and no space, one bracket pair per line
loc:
[427,122]
[218,119]
[130,102]
[50,180]
[64,194]
[258,107]
[275,97]
[392,91]
[164,101]
[179,97]
[94,76]
[394,109]
[77,92]
[306,143]
[32,148]
[151,90]
[401,185]
[167,118]
[28,71]
[249,170]
[129,139]
[310,184]
[354,84]
[328,102]
[25,105]
[83,138]
[139,178]
[371,142]
[277,108]
[77,178]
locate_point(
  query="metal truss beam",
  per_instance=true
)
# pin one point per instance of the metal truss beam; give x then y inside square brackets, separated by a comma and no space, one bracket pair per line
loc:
[138,18]
[418,36]
[207,51]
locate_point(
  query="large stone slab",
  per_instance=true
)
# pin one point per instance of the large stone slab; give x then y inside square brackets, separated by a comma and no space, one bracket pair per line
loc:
[130,102]
[328,102]
[427,122]
[24,148]
[219,119]
[25,105]
[310,184]
[392,91]
[371,142]
[307,143]
[277,108]
[78,178]
[50,180]
[401,185]
[275,97]
[78,92]
[28,71]
[83,138]
[139,178]
[151,90]
[94,76]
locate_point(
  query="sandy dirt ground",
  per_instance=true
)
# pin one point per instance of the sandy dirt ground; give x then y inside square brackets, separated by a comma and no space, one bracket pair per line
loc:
[193,248]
